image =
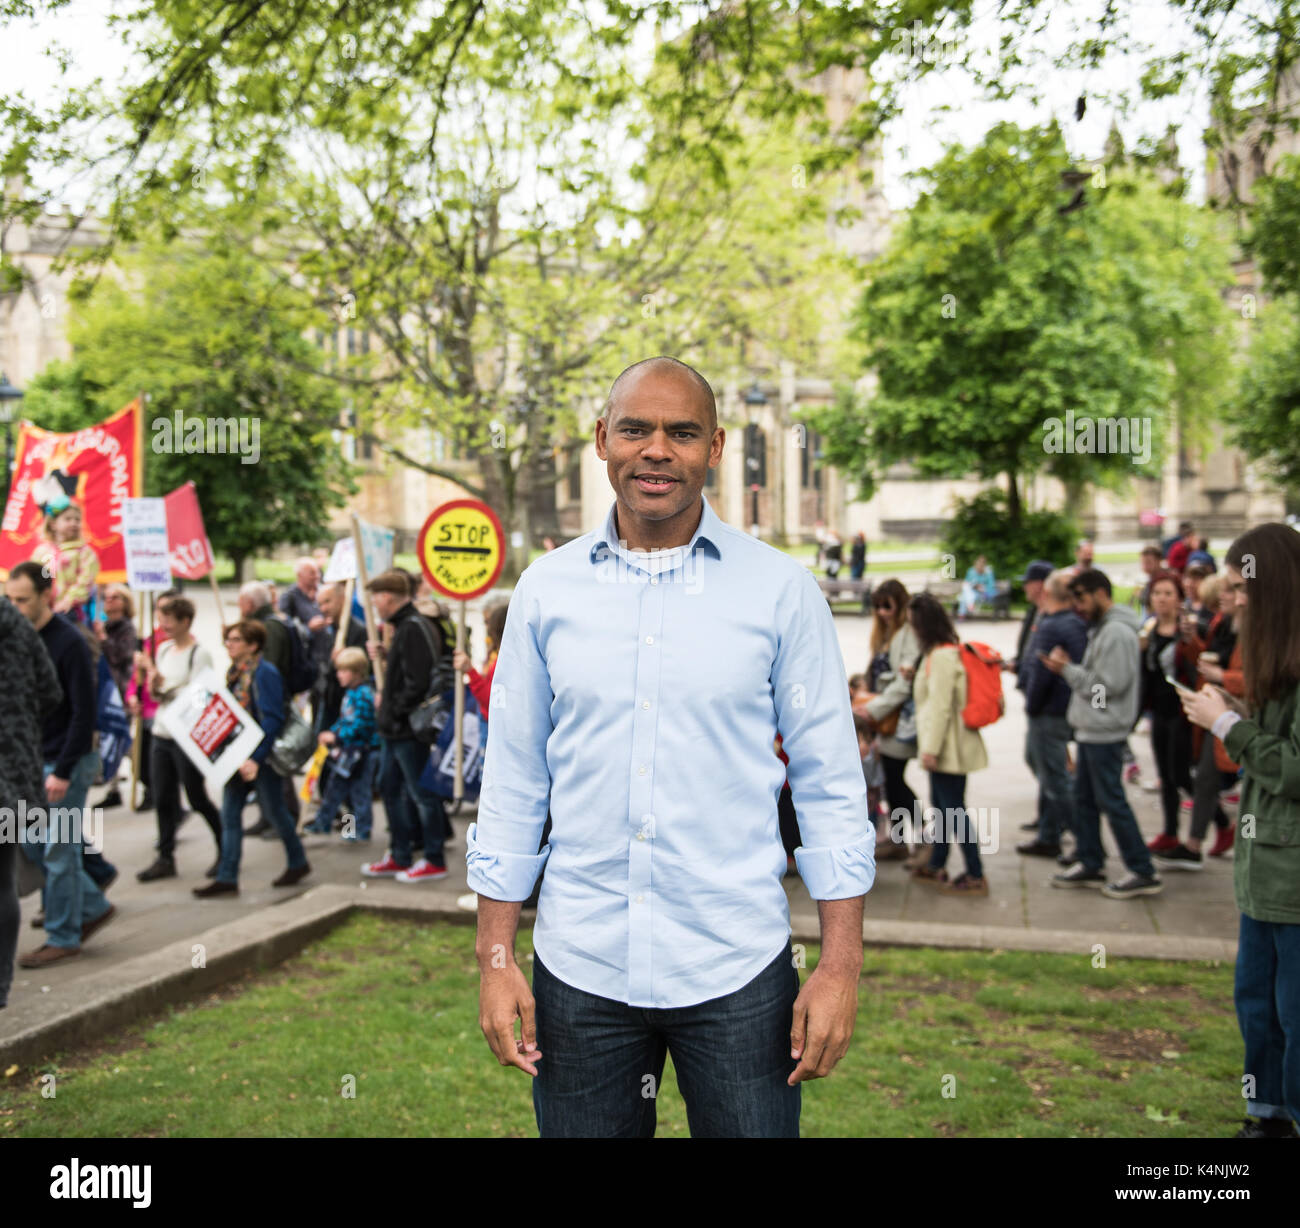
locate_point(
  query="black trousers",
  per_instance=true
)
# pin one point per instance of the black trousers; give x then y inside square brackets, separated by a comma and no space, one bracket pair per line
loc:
[170,769]
[898,793]
[1171,743]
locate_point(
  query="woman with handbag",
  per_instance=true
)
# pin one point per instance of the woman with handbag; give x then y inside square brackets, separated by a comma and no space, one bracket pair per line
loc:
[894,653]
[179,660]
[259,690]
[1263,735]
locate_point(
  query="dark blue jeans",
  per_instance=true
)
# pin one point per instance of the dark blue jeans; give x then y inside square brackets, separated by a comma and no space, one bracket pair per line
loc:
[355,790]
[1099,785]
[1267,994]
[603,1061]
[948,796]
[1046,745]
[414,813]
[269,785]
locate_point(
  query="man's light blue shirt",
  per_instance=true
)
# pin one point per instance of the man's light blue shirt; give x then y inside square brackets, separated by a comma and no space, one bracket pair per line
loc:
[638,695]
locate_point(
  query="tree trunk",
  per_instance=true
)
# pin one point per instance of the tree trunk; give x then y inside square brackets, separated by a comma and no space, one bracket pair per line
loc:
[1013,499]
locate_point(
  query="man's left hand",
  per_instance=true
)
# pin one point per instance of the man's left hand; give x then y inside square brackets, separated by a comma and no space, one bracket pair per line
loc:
[56,788]
[824,1014]
[930,762]
[1056,660]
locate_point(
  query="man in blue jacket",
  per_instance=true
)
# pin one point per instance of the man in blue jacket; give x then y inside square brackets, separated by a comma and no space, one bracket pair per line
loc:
[1047,695]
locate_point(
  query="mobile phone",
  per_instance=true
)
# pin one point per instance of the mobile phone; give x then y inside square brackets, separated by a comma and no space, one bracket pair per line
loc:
[1178,686]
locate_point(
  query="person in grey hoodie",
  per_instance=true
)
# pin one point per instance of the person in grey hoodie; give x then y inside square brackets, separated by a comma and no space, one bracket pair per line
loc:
[1103,707]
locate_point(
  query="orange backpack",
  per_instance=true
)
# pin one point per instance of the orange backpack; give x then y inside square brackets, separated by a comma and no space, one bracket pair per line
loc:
[984,702]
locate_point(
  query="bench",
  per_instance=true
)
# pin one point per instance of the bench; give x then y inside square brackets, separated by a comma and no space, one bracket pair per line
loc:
[949,592]
[837,588]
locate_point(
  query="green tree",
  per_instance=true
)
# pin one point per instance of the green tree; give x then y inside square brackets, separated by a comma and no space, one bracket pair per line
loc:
[1265,411]
[210,336]
[997,311]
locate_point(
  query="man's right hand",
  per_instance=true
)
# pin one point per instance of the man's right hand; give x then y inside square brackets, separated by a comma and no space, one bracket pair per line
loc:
[504,995]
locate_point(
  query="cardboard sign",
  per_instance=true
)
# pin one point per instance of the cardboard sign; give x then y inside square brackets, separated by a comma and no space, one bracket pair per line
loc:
[144,534]
[462,549]
[216,734]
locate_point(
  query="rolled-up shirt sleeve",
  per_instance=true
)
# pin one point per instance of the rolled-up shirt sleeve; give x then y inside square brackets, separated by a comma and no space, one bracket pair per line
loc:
[502,847]
[837,859]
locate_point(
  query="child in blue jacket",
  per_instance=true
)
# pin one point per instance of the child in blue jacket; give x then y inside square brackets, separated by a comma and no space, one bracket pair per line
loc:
[354,741]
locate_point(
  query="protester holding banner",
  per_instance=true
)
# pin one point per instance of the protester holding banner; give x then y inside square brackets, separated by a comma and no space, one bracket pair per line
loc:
[179,660]
[72,564]
[140,703]
[414,812]
[256,686]
[74,906]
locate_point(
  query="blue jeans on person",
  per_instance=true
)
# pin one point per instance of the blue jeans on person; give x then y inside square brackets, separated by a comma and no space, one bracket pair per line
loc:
[1267,995]
[355,790]
[1046,747]
[406,801]
[269,786]
[948,796]
[1099,785]
[604,1060]
[70,896]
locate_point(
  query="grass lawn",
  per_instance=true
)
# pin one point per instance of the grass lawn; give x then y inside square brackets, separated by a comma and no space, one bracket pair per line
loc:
[1026,1045]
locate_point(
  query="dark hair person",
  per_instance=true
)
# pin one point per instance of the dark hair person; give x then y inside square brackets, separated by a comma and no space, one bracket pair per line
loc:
[894,653]
[949,750]
[1263,573]
[1171,735]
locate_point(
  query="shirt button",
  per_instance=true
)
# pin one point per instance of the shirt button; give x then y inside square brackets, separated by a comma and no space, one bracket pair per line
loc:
[640,899]
[640,835]
[654,579]
[649,639]
[641,770]
[645,703]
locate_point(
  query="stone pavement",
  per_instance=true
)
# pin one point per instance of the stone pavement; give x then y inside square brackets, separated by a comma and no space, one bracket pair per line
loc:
[1020,903]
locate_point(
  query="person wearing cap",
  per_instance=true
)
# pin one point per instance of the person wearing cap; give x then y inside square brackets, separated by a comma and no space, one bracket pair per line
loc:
[72,565]
[1047,696]
[1032,581]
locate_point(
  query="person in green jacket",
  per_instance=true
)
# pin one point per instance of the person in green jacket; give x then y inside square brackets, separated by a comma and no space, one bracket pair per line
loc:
[1263,574]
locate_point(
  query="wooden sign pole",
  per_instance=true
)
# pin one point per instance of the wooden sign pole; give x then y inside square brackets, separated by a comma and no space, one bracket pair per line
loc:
[372,632]
[458,790]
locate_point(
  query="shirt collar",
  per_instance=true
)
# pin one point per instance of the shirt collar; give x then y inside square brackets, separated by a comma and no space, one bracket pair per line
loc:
[707,533]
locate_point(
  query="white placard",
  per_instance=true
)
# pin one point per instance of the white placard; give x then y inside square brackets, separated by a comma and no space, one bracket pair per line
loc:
[378,546]
[144,534]
[342,564]
[216,734]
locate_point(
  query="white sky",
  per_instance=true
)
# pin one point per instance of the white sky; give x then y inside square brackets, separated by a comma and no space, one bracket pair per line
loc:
[915,141]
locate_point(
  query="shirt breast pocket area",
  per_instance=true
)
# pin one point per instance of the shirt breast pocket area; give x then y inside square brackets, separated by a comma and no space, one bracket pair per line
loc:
[716,674]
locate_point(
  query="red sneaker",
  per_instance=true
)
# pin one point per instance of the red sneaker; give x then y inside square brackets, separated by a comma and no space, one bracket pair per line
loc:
[1223,841]
[1162,843]
[423,871]
[384,868]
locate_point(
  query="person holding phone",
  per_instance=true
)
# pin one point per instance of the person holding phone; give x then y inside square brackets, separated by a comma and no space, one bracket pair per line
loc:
[1171,735]
[1263,735]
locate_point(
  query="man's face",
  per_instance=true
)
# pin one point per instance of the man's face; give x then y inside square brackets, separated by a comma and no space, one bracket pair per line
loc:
[330,600]
[1034,592]
[658,428]
[387,604]
[32,605]
[246,606]
[1150,564]
[1085,605]
[308,578]
[1083,556]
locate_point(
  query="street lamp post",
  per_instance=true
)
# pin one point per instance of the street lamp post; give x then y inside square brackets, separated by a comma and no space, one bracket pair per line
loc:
[9,398]
[754,402]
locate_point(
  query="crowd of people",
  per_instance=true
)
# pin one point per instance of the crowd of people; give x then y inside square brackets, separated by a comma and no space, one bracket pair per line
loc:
[65,639]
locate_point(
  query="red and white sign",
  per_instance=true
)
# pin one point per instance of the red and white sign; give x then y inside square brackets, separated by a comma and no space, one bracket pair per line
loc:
[187,539]
[216,734]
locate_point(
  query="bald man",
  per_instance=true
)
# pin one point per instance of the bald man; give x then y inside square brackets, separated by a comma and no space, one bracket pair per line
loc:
[644,673]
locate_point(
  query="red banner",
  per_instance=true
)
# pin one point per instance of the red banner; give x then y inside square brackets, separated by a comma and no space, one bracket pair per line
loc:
[187,539]
[98,467]
[213,727]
